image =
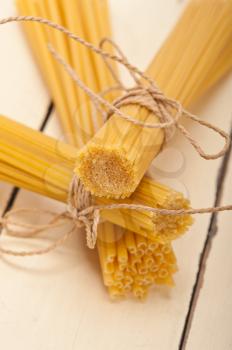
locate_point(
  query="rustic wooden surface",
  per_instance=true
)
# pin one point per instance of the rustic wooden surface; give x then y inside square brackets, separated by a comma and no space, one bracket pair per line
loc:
[57,301]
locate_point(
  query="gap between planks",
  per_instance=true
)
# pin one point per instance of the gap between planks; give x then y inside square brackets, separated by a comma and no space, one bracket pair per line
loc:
[202,265]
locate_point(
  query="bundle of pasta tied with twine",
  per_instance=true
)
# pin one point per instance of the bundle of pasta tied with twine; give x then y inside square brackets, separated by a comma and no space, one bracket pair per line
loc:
[130,121]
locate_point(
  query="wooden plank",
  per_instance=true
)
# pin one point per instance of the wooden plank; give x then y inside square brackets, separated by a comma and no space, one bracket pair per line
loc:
[23,94]
[211,326]
[60,295]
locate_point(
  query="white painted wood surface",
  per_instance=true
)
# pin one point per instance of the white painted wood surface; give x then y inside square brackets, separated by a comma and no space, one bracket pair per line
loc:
[57,301]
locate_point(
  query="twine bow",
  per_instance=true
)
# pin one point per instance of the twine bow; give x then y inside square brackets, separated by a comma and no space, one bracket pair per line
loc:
[80,209]
[146,93]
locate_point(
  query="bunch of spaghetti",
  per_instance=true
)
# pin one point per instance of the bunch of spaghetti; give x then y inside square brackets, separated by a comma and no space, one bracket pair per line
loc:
[130,261]
[115,160]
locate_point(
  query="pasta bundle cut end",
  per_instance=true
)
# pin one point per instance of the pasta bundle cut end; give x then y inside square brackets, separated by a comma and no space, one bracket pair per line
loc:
[155,226]
[134,271]
[170,227]
[105,171]
[182,77]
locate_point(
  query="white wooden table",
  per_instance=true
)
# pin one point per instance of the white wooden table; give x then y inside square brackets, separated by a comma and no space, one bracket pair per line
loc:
[58,301]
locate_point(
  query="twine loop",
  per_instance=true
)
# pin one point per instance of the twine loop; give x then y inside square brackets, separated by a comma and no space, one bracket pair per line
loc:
[151,99]
[79,210]
[12,227]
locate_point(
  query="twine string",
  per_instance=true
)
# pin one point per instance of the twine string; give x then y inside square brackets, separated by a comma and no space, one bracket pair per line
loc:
[80,208]
[168,110]
[82,213]
[14,228]
[146,93]
[78,201]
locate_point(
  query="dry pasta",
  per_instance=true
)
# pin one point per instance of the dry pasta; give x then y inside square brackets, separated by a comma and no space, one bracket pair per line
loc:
[115,160]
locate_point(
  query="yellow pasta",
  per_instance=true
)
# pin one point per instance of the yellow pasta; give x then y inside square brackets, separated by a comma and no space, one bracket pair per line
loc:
[143,269]
[29,159]
[130,262]
[44,165]
[146,224]
[115,160]
[80,18]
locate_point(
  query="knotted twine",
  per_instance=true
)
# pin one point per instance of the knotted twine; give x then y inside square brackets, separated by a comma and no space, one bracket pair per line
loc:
[146,94]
